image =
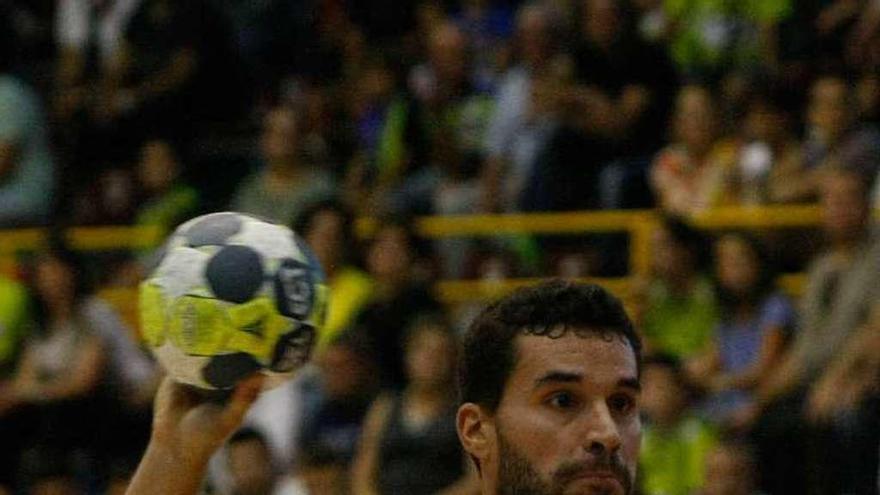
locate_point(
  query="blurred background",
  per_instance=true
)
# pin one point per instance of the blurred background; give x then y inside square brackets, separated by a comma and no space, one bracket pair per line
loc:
[712,162]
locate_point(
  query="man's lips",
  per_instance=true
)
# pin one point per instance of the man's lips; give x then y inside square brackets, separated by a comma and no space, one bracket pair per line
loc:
[598,475]
[603,478]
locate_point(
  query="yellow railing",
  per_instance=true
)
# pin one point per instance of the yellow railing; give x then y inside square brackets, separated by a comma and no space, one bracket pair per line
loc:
[638,224]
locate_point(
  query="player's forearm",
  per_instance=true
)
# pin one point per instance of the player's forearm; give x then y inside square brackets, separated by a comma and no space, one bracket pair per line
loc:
[164,470]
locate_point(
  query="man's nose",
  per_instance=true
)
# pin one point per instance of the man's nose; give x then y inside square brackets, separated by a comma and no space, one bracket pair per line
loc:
[601,437]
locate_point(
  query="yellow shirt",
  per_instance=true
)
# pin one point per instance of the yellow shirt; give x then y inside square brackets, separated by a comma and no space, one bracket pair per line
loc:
[350,290]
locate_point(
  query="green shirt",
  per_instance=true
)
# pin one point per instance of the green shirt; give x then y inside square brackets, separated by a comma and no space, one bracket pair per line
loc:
[718,33]
[681,325]
[13,316]
[672,462]
[169,209]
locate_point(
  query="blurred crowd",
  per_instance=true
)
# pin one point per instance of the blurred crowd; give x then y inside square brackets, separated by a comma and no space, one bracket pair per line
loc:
[316,112]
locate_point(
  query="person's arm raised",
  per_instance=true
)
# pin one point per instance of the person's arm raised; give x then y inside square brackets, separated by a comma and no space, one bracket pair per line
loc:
[187,430]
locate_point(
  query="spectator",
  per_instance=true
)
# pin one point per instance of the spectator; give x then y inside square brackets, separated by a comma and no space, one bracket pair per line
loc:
[730,470]
[708,39]
[55,390]
[285,185]
[844,406]
[520,127]
[675,443]
[409,442]
[620,97]
[447,94]
[488,25]
[768,146]
[82,382]
[389,135]
[840,290]
[177,67]
[835,140]
[252,468]
[328,228]
[166,201]
[680,307]
[689,175]
[332,422]
[14,323]
[399,297]
[756,321]
[108,199]
[26,162]
[81,25]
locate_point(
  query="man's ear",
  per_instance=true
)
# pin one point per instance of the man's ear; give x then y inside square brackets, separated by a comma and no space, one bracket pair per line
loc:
[476,431]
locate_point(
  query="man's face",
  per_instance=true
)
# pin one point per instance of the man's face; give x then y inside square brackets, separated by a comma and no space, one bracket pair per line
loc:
[568,422]
[844,209]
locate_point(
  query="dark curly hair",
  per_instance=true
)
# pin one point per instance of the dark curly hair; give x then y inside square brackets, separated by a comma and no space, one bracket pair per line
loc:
[550,309]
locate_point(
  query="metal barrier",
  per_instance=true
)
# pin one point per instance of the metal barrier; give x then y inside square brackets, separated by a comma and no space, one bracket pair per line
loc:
[638,224]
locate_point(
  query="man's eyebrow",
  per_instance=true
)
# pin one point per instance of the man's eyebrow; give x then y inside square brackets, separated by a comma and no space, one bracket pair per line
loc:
[568,377]
[632,383]
[558,377]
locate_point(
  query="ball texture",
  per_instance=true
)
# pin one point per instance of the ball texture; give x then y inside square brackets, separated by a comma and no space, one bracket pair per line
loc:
[232,295]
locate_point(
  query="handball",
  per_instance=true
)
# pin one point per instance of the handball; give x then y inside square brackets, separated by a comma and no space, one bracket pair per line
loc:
[232,295]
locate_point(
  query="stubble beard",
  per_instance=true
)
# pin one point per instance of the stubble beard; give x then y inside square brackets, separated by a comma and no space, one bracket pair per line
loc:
[517,476]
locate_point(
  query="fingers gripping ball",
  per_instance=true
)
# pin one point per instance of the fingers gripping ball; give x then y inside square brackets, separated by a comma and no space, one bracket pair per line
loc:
[233,295]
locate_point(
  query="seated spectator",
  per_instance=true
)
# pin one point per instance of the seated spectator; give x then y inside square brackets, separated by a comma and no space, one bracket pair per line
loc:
[844,406]
[252,468]
[520,127]
[388,136]
[409,442]
[82,382]
[730,470]
[675,442]
[107,199]
[331,425]
[166,201]
[690,174]
[680,307]
[835,139]
[54,396]
[756,321]
[399,297]
[488,25]
[26,163]
[284,186]
[768,145]
[328,228]
[841,288]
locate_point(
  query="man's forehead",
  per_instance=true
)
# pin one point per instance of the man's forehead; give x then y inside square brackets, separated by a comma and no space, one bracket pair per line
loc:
[587,352]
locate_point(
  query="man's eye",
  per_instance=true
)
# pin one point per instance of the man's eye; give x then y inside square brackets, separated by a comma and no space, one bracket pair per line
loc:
[622,404]
[562,400]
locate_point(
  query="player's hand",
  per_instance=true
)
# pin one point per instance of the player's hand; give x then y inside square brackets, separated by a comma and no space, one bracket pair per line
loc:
[191,426]
[187,429]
